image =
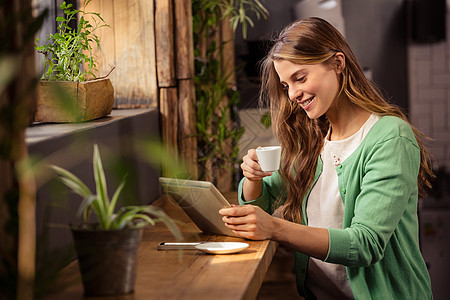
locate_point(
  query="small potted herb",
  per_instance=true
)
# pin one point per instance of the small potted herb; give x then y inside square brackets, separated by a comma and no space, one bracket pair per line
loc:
[69,90]
[107,245]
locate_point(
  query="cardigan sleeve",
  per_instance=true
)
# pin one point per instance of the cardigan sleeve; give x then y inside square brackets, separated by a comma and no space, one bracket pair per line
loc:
[272,190]
[387,186]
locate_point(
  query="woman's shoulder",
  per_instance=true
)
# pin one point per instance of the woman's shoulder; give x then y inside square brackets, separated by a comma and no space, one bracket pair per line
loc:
[390,127]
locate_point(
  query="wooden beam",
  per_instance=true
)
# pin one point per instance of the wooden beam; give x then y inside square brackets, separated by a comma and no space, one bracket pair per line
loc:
[164,43]
[225,174]
[187,141]
[168,108]
[228,59]
[184,39]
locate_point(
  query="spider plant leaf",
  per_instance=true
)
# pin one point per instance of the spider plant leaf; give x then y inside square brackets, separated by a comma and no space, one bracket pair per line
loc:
[100,181]
[124,216]
[103,221]
[87,213]
[114,198]
[74,186]
[84,208]
[73,182]
[146,220]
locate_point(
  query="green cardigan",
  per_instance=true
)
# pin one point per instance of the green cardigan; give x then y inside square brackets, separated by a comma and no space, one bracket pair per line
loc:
[379,242]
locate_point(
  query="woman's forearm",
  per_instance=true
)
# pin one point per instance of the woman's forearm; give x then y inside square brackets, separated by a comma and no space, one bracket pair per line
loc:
[251,189]
[312,241]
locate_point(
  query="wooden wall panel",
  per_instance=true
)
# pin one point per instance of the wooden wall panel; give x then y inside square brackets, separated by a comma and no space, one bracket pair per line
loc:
[184,39]
[228,61]
[184,57]
[168,109]
[225,175]
[164,43]
[187,141]
[106,55]
[129,46]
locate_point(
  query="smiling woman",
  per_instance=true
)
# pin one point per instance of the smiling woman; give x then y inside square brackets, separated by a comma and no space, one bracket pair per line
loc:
[352,168]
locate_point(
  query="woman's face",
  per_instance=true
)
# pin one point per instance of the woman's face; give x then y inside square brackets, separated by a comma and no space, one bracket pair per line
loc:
[313,87]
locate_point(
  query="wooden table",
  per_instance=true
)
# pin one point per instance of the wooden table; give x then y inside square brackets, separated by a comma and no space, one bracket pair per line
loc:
[187,274]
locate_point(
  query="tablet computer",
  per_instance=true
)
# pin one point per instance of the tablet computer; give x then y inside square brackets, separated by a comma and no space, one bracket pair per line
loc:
[201,201]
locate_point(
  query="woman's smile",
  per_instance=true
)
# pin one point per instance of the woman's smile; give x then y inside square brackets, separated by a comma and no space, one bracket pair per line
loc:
[306,104]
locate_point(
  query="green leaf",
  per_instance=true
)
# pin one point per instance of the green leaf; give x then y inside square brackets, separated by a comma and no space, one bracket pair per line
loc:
[83,209]
[125,215]
[73,182]
[100,182]
[103,221]
[145,220]
[266,120]
[115,198]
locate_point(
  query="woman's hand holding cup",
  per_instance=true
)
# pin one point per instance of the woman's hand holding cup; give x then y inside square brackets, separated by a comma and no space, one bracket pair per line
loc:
[251,166]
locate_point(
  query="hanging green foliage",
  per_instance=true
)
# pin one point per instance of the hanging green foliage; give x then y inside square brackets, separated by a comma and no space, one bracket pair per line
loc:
[217,124]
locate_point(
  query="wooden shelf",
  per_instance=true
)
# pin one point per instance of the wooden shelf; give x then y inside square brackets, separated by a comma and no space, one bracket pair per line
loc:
[41,132]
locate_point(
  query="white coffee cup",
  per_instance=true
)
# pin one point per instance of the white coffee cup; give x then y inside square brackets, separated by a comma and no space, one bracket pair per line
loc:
[269,158]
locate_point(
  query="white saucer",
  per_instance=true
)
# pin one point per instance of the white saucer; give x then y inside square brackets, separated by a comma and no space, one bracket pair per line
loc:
[221,247]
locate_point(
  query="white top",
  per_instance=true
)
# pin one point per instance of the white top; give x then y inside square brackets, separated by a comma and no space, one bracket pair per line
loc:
[325,209]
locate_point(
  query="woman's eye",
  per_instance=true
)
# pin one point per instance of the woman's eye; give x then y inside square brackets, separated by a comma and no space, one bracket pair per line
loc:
[301,79]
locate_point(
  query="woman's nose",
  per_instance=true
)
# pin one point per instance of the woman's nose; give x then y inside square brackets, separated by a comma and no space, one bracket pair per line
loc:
[294,94]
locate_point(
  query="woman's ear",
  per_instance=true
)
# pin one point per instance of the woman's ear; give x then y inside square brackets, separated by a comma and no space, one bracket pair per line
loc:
[339,62]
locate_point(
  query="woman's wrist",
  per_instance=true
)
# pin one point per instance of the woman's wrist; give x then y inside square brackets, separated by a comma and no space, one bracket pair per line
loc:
[276,225]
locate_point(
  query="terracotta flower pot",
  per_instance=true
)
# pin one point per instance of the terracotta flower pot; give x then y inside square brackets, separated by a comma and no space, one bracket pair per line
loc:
[107,260]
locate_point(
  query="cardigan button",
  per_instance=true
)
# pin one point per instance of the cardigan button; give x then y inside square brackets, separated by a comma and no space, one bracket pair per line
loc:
[344,191]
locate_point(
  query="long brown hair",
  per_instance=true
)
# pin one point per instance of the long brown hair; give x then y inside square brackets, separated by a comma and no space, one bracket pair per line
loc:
[312,41]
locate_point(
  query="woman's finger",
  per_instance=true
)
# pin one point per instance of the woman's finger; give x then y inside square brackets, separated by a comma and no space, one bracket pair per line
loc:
[252,154]
[252,173]
[238,220]
[251,161]
[242,227]
[237,211]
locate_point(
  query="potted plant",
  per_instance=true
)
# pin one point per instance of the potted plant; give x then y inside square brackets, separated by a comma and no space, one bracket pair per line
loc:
[69,90]
[107,244]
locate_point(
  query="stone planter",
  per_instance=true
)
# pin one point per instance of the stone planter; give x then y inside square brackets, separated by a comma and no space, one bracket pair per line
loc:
[68,101]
